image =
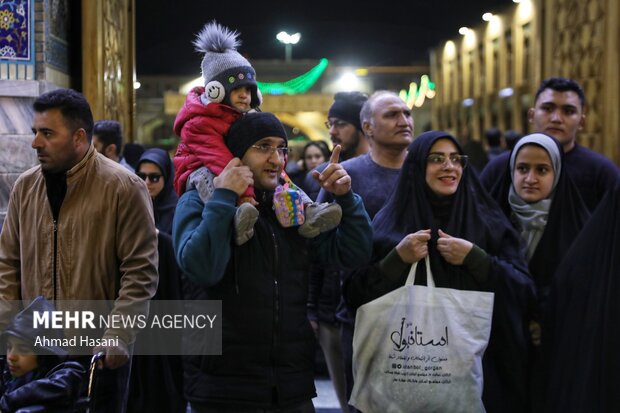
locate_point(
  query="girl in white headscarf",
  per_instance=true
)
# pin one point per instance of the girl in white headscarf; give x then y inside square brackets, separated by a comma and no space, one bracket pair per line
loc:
[536,164]
[542,203]
[545,207]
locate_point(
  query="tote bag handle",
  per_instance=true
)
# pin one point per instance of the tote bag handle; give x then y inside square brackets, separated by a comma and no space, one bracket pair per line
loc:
[430,282]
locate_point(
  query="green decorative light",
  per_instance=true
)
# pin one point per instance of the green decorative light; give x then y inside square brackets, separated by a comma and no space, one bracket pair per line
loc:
[416,95]
[300,84]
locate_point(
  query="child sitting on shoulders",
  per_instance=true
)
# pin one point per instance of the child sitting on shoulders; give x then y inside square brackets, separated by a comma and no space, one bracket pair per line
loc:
[230,91]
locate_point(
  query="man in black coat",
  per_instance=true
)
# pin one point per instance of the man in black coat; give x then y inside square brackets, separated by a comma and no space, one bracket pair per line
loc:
[559,110]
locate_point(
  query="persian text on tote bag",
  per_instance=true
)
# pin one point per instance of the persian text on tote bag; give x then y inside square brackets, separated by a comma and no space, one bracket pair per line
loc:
[419,349]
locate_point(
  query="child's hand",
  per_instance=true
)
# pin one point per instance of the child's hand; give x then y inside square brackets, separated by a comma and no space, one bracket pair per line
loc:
[334,178]
[236,177]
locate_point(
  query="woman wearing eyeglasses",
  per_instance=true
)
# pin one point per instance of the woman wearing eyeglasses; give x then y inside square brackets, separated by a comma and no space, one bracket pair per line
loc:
[155,168]
[439,211]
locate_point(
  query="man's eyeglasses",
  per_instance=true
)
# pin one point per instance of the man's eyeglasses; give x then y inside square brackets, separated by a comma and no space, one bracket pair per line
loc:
[154,178]
[336,124]
[442,160]
[268,149]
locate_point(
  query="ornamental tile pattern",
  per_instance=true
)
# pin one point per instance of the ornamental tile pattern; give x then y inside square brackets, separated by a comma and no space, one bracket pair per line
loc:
[15,30]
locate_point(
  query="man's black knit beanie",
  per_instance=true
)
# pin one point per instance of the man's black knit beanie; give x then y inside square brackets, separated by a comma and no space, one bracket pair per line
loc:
[347,107]
[250,128]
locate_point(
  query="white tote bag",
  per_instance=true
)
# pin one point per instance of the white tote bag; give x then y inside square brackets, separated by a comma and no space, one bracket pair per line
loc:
[419,349]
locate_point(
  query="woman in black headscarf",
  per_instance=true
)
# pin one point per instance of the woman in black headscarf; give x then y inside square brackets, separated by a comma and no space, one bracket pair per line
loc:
[582,329]
[155,168]
[440,211]
[157,381]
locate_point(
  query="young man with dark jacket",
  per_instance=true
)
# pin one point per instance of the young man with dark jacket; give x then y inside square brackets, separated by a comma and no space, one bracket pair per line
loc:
[268,344]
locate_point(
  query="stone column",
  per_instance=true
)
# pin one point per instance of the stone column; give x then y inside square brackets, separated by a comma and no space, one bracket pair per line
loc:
[16,155]
[33,60]
[108,60]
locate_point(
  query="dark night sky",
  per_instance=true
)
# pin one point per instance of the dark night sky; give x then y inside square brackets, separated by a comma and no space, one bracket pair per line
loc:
[348,33]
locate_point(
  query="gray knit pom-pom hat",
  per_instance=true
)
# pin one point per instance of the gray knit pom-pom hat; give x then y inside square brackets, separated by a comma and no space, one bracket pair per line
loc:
[223,68]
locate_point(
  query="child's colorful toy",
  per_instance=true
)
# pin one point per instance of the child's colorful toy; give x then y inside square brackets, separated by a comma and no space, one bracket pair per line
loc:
[288,205]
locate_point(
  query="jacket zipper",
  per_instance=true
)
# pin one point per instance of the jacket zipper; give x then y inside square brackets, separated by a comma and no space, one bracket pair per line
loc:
[55,256]
[276,315]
